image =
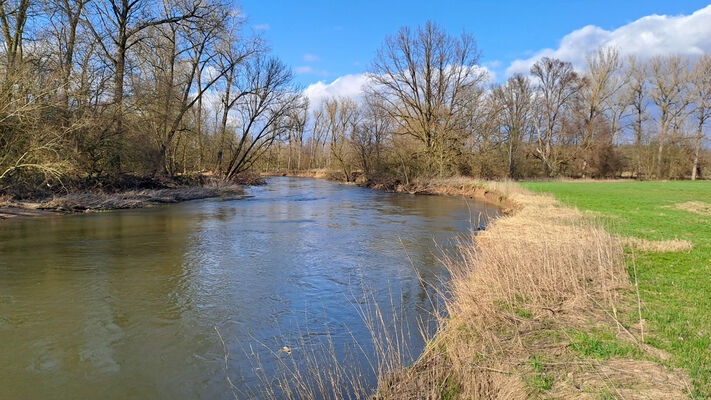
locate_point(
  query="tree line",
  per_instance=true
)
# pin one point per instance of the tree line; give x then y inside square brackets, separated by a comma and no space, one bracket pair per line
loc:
[92,90]
[429,110]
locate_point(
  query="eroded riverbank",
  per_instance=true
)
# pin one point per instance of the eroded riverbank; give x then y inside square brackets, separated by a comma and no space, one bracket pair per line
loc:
[101,201]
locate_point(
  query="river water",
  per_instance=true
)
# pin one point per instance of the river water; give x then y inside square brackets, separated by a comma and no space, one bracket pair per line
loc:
[126,304]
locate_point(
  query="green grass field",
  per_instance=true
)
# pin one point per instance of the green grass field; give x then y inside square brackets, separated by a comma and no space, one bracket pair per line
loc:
[675,287]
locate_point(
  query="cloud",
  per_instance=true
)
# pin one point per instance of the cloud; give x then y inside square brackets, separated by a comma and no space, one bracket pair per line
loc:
[686,35]
[304,70]
[262,27]
[492,64]
[309,70]
[490,74]
[346,86]
[308,57]
[353,86]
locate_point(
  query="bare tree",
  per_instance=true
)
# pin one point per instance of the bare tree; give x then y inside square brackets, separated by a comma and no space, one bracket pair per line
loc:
[66,19]
[636,98]
[370,136]
[424,78]
[262,113]
[341,119]
[701,100]
[13,20]
[178,55]
[668,76]
[118,25]
[599,86]
[515,98]
[232,58]
[557,84]
[299,117]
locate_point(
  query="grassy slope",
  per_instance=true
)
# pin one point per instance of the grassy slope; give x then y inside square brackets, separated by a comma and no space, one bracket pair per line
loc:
[675,287]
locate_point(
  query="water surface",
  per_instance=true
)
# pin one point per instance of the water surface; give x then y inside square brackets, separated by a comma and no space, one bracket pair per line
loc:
[125,304]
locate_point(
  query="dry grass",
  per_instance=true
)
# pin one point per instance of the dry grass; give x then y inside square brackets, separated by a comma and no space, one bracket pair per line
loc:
[696,207]
[498,193]
[623,379]
[658,246]
[532,278]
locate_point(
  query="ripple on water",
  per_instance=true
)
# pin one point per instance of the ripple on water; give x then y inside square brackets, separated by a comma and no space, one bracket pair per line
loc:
[125,304]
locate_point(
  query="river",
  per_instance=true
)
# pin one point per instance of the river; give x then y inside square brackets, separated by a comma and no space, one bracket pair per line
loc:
[126,304]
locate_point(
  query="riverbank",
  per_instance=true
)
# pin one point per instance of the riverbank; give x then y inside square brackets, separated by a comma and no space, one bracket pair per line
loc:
[536,310]
[95,200]
[456,186]
[541,306]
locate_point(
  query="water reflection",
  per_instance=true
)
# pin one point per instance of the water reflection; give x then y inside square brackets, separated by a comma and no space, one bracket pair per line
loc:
[123,305]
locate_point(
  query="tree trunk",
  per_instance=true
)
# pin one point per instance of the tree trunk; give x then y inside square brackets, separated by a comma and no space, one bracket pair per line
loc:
[198,122]
[697,149]
[223,124]
[660,152]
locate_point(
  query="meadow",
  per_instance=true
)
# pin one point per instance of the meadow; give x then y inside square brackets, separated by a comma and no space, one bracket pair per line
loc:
[674,286]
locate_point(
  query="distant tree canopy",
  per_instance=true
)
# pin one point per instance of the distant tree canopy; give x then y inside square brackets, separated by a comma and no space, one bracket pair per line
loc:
[93,89]
[430,111]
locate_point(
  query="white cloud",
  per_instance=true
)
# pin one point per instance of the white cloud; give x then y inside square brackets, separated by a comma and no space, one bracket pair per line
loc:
[308,57]
[353,86]
[490,74]
[309,70]
[687,35]
[304,70]
[345,86]
[262,27]
[492,64]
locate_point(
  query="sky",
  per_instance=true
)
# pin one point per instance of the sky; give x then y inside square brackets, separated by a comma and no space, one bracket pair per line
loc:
[330,44]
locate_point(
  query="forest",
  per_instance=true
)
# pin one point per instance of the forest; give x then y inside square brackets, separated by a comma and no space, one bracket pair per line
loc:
[97,93]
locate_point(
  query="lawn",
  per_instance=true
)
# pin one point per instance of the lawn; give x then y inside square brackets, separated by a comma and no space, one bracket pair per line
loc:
[675,287]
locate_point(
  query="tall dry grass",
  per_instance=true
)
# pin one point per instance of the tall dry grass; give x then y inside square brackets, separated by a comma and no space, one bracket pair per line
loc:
[544,268]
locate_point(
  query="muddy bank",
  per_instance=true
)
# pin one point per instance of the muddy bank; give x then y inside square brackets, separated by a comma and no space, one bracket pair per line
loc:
[306,173]
[119,192]
[100,201]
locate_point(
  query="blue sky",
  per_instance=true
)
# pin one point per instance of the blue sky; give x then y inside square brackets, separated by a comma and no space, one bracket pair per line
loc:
[324,40]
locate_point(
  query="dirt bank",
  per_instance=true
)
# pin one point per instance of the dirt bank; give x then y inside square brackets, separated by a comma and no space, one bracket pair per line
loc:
[98,201]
